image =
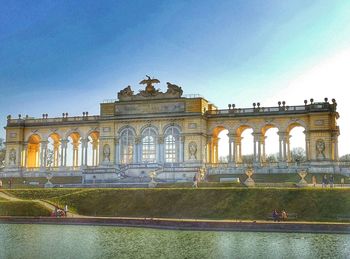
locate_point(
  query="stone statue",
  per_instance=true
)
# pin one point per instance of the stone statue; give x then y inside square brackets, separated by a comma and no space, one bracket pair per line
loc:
[125,92]
[174,89]
[320,148]
[106,153]
[192,148]
[149,90]
[12,157]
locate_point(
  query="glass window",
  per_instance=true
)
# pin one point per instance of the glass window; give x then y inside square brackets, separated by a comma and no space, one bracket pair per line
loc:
[127,146]
[149,145]
[172,145]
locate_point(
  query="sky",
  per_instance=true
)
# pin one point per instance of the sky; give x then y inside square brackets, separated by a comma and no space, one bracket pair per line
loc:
[68,56]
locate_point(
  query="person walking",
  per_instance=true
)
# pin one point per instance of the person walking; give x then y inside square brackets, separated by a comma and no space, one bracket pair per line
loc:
[331,181]
[275,216]
[195,182]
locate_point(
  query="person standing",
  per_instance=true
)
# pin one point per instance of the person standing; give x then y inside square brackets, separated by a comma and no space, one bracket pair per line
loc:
[314,181]
[331,181]
[284,215]
[66,210]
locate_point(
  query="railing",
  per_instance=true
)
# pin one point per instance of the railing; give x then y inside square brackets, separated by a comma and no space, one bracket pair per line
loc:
[192,96]
[58,120]
[280,109]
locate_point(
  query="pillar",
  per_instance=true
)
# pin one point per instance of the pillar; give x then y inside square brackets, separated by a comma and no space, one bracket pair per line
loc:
[209,151]
[43,154]
[182,149]
[160,144]
[64,143]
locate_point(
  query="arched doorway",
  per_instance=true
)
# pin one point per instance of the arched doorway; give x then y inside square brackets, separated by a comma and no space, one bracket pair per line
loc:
[33,152]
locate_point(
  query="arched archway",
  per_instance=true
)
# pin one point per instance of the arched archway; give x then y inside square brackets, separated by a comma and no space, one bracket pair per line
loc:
[296,142]
[270,146]
[91,155]
[245,144]
[218,146]
[73,150]
[33,151]
[53,155]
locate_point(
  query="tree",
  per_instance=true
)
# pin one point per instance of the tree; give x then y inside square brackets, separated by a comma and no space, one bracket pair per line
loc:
[298,155]
[2,152]
[272,158]
[345,158]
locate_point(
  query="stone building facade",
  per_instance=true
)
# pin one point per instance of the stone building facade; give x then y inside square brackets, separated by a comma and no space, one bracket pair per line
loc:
[167,133]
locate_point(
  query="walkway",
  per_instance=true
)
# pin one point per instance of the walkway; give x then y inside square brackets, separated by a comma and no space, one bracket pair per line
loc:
[45,204]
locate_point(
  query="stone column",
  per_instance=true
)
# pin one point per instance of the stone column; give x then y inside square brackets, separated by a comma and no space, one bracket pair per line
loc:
[238,149]
[289,157]
[95,152]
[182,147]
[215,149]
[160,149]
[56,146]
[230,141]
[64,143]
[43,154]
[334,139]
[25,154]
[84,151]
[209,151]
[117,151]
[263,156]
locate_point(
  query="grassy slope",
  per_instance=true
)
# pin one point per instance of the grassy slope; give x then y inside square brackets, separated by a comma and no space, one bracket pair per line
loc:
[223,203]
[22,208]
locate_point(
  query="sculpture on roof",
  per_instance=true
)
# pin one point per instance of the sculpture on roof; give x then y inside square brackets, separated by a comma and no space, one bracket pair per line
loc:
[173,91]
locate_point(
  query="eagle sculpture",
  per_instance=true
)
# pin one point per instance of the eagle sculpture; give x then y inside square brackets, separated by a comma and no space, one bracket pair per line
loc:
[149,84]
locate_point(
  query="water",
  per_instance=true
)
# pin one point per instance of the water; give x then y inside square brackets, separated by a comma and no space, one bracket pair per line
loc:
[64,241]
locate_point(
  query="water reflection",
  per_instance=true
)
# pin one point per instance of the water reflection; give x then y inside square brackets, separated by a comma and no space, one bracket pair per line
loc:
[64,241]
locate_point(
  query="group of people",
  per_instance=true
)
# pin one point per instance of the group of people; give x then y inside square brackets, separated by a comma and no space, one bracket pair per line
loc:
[59,213]
[325,181]
[278,216]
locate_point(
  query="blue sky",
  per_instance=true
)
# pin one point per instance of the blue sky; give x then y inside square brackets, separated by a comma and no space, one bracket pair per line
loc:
[67,56]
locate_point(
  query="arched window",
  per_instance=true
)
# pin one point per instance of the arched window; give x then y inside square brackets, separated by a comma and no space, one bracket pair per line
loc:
[127,142]
[172,145]
[149,145]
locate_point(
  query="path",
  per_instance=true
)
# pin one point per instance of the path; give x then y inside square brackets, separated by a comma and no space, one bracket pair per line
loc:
[43,203]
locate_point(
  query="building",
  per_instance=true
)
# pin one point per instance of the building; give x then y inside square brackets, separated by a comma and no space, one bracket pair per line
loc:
[166,133]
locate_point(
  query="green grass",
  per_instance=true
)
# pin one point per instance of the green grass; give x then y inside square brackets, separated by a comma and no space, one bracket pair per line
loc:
[37,194]
[23,182]
[208,203]
[22,208]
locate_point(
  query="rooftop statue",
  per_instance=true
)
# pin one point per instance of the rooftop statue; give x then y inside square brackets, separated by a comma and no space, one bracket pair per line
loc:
[173,91]
[149,90]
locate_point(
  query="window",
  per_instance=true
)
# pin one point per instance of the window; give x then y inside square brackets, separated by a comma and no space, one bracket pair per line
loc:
[127,146]
[172,145]
[149,145]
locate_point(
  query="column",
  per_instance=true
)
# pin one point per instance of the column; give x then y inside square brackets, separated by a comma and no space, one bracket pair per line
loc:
[209,151]
[263,156]
[64,143]
[84,150]
[257,147]
[95,152]
[160,149]
[43,154]
[334,139]
[56,153]
[289,157]
[238,149]
[230,140]
[25,154]
[181,151]
[283,146]
[117,152]
[215,154]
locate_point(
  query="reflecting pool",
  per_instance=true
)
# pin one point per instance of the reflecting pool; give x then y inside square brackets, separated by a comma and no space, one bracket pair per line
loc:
[65,241]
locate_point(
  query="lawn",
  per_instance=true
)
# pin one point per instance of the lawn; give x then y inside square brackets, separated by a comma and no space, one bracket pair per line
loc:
[206,203]
[22,208]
